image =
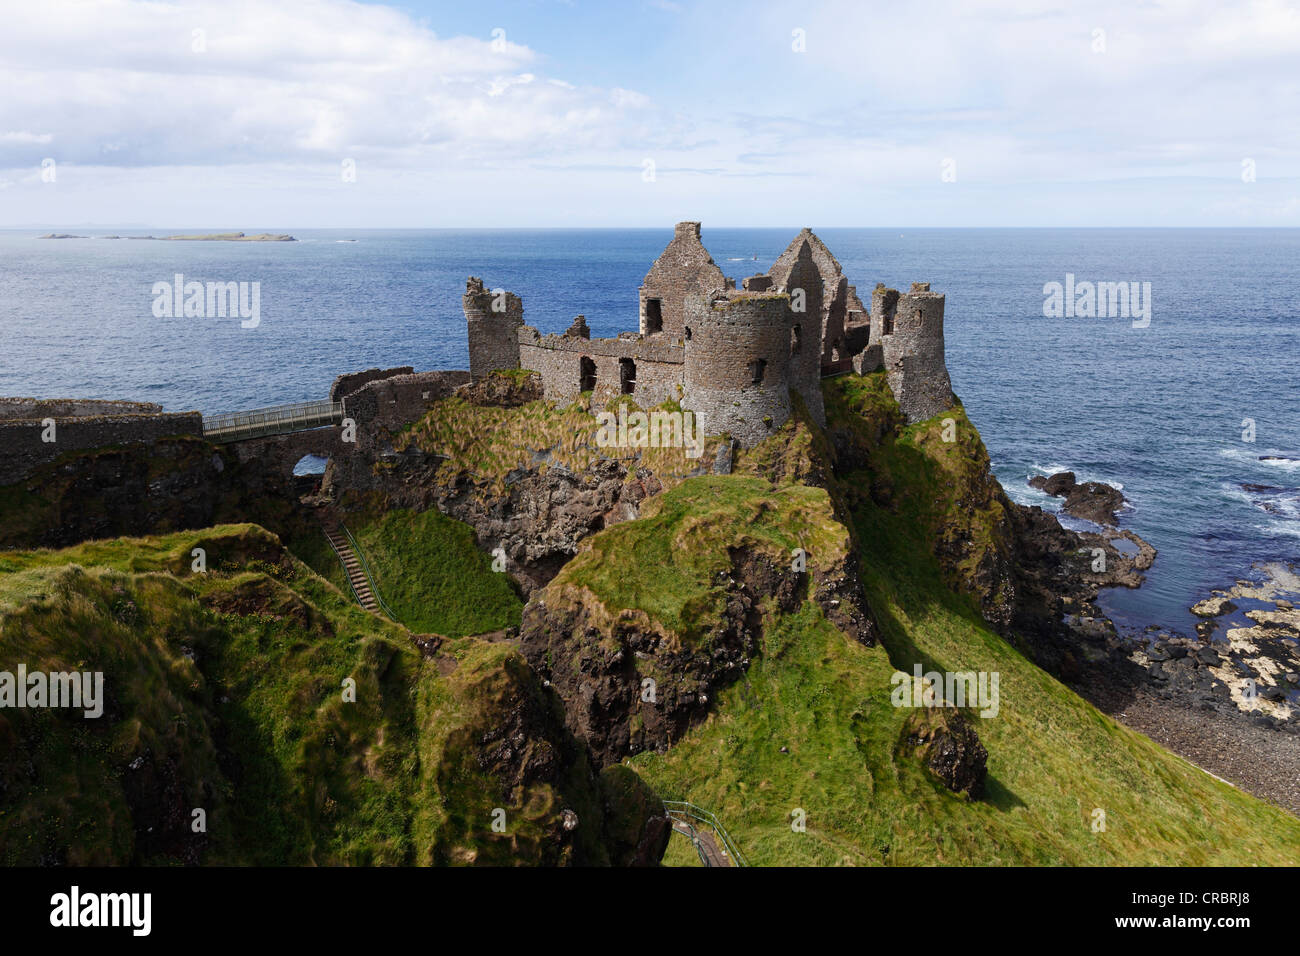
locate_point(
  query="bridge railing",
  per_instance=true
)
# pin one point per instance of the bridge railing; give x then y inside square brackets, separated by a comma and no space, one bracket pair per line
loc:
[690,813]
[275,420]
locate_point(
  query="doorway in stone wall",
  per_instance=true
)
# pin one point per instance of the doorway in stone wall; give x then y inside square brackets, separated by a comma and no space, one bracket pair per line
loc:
[654,316]
[627,375]
[586,374]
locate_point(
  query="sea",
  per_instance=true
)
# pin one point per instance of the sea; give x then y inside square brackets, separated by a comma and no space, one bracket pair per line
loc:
[1195,415]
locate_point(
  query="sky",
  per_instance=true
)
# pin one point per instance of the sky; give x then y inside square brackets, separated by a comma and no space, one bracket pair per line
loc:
[338,114]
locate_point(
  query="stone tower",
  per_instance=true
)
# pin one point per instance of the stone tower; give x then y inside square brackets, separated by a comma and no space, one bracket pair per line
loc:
[912,350]
[736,376]
[494,320]
[803,283]
[683,269]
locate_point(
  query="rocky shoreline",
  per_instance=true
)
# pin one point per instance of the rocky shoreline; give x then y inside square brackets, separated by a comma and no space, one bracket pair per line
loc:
[1224,697]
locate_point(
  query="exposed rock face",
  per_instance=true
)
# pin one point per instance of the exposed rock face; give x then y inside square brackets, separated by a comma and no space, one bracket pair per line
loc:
[542,510]
[595,657]
[1028,574]
[1213,606]
[637,827]
[946,742]
[541,518]
[1093,501]
[521,744]
[1057,485]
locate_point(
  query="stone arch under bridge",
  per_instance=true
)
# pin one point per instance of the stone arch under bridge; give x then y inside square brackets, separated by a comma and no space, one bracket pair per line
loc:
[283,452]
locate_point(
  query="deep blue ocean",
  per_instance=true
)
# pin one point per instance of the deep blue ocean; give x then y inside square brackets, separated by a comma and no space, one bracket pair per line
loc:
[1158,411]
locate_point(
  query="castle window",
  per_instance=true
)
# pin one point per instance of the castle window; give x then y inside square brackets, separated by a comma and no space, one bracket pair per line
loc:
[654,316]
[586,375]
[889,323]
[688,333]
[756,369]
[796,339]
[627,375]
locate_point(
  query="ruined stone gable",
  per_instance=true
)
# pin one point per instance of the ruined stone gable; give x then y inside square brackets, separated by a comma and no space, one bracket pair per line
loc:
[683,270]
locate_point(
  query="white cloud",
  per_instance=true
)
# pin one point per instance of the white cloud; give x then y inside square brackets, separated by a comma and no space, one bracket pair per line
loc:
[260,82]
[269,97]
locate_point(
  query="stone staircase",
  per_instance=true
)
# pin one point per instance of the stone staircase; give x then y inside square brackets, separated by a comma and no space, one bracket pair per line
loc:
[356,576]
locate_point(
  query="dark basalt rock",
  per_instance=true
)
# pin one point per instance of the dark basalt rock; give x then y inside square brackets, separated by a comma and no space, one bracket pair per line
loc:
[1058,485]
[1093,501]
[945,741]
[597,657]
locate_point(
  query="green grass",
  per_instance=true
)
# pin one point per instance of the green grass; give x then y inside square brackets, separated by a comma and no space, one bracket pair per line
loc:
[665,563]
[225,693]
[1053,758]
[432,574]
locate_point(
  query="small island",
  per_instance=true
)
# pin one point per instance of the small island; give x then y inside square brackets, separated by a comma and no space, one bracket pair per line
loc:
[211,237]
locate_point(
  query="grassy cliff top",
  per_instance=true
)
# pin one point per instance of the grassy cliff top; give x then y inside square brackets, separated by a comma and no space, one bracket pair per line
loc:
[1054,760]
[226,691]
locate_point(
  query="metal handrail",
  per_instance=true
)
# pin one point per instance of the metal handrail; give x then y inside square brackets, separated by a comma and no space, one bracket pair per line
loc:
[680,808]
[275,419]
[343,564]
[370,577]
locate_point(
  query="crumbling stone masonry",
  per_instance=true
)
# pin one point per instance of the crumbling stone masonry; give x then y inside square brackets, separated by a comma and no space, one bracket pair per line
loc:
[494,320]
[911,349]
[683,270]
[732,356]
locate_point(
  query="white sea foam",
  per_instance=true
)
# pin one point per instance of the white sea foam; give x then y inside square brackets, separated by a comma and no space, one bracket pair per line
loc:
[1079,476]
[1286,464]
[1284,526]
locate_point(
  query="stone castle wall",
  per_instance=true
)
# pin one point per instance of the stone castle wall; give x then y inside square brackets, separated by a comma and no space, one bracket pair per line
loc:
[38,408]
[723,386]
[24,450]
[354,380]
[833,334]
[657,362]
[400,399]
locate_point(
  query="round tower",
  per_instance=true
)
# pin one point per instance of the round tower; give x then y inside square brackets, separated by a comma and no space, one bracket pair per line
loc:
[736,376]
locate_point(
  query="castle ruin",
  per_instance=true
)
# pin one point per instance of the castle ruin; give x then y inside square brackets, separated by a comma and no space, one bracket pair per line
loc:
[731,355]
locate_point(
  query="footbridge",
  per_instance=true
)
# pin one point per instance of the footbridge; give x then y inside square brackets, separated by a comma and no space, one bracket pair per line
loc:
[275,420]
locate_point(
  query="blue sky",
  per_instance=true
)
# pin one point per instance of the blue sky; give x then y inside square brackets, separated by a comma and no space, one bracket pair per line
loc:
[250,114]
